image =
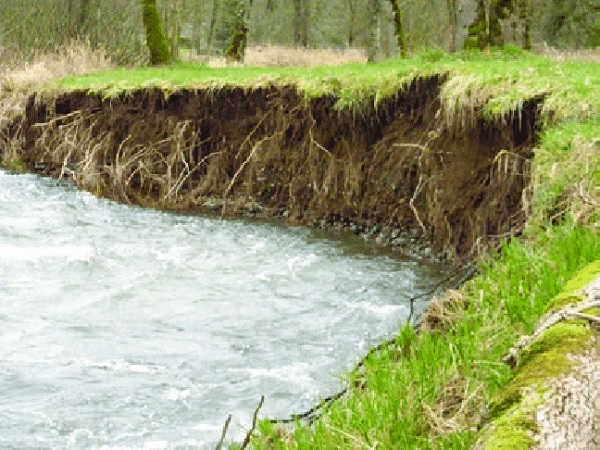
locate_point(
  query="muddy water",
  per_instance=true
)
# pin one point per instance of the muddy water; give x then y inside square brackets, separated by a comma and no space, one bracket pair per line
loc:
[129,328]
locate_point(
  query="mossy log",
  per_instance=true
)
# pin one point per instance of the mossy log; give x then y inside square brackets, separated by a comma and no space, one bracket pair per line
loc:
[553,400]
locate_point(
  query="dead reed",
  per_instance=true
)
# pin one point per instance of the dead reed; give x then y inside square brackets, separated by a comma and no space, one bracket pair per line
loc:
[281,56]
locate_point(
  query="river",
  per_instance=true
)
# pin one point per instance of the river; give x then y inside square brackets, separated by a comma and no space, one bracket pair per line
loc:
[122,327]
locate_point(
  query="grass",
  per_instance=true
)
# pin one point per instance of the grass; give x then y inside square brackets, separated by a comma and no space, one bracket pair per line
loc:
[498,83]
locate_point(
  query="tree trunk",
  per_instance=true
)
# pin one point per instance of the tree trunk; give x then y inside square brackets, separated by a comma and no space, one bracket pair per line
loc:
[486,29]
[84,17]
[465,16]
[211,28]
[525,16]
[172,25]
[374,10]
[236,49]
[155,35]
[452,19]
[351,22]
[398,27]
[301,11]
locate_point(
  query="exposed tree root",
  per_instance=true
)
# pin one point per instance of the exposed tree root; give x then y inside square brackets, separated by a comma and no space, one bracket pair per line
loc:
[573,311]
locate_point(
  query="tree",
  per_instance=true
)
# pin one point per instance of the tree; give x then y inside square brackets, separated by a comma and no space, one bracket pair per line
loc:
[486,29]
[524,13]
[155,34]
[77,16]
[301,13]
[374,28]
[351,21]
[399,27]
[234,29]
[172,25]
[216,4]
[453,21]
[572,23]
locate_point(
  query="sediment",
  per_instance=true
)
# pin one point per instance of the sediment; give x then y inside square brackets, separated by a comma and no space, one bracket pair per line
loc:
[397,170]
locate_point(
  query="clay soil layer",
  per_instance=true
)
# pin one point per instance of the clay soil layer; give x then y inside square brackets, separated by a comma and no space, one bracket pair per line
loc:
[390,169]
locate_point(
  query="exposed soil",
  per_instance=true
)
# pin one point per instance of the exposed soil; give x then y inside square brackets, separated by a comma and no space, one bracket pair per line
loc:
[395,171]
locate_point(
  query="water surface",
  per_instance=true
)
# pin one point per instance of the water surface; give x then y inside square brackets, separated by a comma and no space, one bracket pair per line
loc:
[129,328]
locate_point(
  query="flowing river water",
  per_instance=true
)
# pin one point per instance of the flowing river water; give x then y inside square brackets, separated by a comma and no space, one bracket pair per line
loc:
[122,327]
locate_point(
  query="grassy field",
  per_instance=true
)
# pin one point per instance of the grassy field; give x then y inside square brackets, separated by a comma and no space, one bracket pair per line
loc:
[436,389]
[499,81]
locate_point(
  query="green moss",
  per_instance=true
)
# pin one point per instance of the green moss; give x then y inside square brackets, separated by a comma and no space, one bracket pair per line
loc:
[569,294]
[545,358]
[512,432]
[585,276]
[592,311]
[562,300]
[16,165]
[512,410]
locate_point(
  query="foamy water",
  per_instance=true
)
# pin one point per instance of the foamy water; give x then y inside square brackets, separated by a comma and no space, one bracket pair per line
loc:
[129,328]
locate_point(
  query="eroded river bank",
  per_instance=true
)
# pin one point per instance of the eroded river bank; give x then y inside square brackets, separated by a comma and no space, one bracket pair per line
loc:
[406,170]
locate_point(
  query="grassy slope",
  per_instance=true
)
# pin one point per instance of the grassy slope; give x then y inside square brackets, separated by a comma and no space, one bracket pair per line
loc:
[434,392]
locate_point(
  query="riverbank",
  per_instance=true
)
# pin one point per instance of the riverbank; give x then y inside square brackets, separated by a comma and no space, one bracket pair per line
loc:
[459,152]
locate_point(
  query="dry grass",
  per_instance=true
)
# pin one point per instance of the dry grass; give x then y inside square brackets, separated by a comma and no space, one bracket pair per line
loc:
[588,55]
[280,56]
[580,198]
[19,77]
[460,406]
[443,312]
[77,58]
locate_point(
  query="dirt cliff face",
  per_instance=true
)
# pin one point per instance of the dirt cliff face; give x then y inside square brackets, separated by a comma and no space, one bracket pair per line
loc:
[391,170]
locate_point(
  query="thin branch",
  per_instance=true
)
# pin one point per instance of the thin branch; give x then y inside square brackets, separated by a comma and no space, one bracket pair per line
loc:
[253,427]
[223,433]
[412,204]
[549,320]
[254,130]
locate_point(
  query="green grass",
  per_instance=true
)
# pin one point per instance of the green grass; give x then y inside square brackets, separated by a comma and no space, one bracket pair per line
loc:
[499,82]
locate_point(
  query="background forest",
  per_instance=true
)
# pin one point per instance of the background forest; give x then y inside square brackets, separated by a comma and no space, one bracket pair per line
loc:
[203,28]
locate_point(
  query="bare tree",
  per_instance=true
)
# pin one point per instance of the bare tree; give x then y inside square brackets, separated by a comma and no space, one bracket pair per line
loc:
[301,19]
[374,28]
[453,21]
